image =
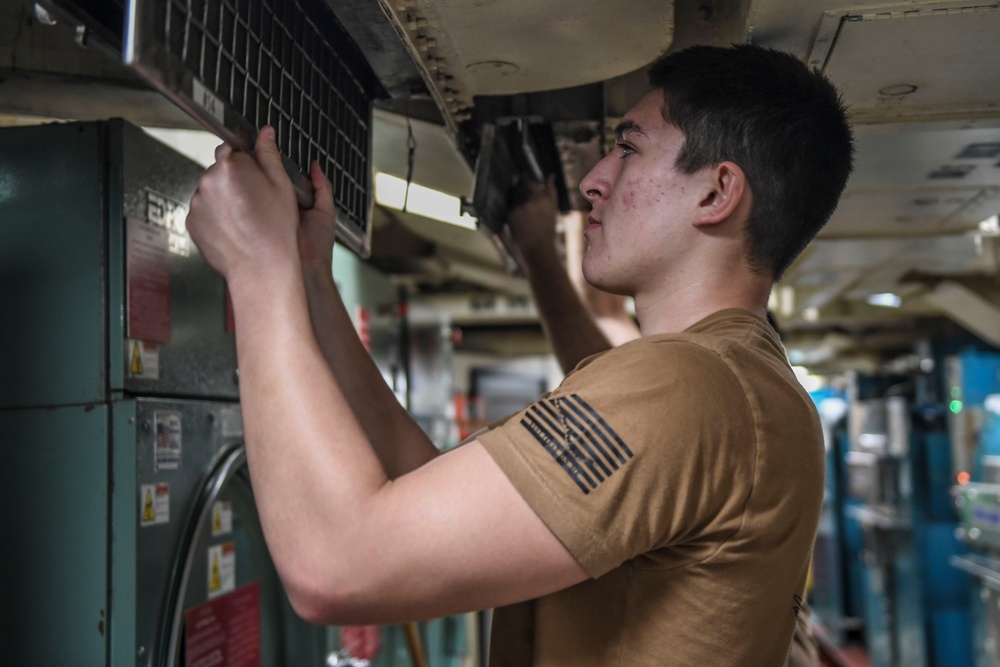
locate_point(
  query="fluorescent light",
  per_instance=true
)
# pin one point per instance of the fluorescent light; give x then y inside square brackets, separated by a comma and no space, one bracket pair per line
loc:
[391,192]
[198,145]
[886,299]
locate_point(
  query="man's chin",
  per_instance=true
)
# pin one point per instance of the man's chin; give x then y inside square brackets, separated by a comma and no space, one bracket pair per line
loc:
[601,281]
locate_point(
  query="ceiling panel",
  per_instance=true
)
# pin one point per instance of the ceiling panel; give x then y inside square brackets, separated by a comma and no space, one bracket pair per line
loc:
[908,154]
[941,254]
[906,212]
[920,178]
[902,59]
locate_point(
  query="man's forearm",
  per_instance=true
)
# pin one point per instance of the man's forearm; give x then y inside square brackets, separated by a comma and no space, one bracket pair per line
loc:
[313,469]
[385,422]
[568,323]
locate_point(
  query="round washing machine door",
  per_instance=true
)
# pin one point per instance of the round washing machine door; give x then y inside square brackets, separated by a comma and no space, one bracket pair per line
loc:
[226,605]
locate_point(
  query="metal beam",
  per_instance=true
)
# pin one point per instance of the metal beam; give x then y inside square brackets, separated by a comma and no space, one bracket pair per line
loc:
[972,311]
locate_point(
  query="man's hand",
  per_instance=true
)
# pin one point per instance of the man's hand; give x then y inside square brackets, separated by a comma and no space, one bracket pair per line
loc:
[318,226]
[533,223]
[243,216]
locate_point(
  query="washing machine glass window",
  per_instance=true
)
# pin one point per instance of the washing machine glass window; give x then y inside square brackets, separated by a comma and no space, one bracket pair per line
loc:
[226,601]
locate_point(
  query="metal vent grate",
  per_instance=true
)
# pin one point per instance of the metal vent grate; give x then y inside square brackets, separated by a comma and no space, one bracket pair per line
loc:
[236,65]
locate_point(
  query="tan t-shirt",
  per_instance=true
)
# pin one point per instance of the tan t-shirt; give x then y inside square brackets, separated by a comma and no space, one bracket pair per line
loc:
[684,472]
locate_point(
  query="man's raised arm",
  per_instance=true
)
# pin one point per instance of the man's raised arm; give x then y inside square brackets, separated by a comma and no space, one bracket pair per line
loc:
[385,422]
[578,320]
[351,544]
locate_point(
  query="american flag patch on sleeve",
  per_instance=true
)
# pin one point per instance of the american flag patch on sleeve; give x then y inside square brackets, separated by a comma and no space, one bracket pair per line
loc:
[577,438]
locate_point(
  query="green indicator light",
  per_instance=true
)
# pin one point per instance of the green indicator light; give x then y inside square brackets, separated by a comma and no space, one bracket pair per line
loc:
[955,406]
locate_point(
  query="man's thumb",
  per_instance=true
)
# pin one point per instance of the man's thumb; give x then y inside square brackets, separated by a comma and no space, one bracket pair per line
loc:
[323,189]
[268,156]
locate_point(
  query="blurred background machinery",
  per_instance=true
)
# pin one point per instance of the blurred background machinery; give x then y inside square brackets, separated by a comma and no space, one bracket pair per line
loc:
[131,522]
[913,441]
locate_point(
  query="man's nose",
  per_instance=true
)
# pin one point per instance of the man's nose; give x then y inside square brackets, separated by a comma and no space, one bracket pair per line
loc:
[595,184]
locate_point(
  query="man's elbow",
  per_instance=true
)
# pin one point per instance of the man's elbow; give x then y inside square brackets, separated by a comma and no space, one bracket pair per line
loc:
[327,599]
[321,602]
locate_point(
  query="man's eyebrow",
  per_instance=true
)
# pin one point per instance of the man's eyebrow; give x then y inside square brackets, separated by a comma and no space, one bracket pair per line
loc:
[628,126]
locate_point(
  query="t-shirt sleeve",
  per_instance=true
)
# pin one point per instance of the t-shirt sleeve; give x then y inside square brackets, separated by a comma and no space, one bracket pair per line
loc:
[645,447]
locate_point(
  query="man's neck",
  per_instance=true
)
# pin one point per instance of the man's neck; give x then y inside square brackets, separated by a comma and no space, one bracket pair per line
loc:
[679,309]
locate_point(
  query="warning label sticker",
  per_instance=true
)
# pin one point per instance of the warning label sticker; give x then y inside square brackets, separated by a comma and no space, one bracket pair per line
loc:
[231,420]
[148,281]
[222,518]
[224,631]
[221,569]
[168,439]
[154,504]
[143,359]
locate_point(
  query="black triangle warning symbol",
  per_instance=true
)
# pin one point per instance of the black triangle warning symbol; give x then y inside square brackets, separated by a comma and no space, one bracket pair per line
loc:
[148,513]
[135,367]
[215,583]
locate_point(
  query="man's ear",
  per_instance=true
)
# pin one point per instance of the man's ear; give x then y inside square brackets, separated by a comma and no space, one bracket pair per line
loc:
[726,194]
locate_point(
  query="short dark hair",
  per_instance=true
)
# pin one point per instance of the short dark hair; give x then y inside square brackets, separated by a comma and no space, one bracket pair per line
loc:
[783,123]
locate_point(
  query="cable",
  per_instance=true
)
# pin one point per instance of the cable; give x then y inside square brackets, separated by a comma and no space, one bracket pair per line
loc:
[411,148]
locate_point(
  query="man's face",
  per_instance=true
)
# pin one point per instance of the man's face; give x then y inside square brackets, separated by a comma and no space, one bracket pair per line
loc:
[641,204]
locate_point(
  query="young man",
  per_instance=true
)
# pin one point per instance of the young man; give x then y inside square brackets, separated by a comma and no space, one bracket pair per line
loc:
[660,505]
[579,319]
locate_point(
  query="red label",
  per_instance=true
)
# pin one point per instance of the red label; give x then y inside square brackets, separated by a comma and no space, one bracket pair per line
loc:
[225,631]
[148,281]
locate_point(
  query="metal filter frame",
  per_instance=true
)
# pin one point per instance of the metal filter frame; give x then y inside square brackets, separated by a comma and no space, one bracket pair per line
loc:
[236,65]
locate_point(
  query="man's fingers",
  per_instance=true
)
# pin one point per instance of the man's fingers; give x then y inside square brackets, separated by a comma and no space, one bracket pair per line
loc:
[322,187]
[222,150]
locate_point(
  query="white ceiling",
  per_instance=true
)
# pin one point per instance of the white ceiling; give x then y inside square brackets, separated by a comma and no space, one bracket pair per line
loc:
[921,80]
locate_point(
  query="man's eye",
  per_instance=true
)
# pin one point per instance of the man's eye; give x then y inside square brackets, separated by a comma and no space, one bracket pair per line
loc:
[625,149]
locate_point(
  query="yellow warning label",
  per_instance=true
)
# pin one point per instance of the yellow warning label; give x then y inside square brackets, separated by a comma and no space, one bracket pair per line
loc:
[215,582]
[217,521]
[148,513]
[136,366]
